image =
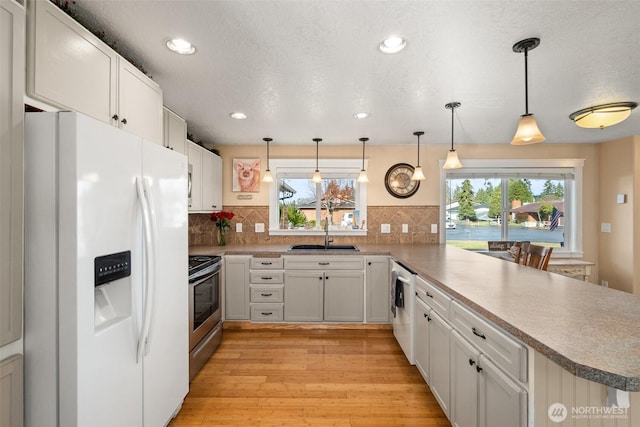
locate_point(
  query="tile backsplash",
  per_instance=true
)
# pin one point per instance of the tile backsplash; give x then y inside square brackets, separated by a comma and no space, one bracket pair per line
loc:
[202,230]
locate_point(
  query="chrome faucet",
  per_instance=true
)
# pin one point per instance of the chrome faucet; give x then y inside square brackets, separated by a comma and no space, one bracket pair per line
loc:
[327,239]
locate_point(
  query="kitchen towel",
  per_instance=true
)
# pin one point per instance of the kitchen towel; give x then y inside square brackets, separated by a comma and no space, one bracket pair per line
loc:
[394,278]
[399,293]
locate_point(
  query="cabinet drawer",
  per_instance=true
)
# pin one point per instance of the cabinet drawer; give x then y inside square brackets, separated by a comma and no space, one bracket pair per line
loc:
[433,297]
[497,345]
[267,277]
[324,263]
[267,293]
[267,312]
[267,263]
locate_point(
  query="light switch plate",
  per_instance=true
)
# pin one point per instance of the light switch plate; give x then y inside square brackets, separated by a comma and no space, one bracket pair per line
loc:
[621,198]
[434,228]
[238,227]
[385,228]
[405,228]
[259,227]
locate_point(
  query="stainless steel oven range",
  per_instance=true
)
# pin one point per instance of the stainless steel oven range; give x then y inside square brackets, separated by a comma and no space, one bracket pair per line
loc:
[205,310]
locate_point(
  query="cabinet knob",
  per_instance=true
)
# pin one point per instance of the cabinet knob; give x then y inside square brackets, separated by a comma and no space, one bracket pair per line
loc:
[114,117]
[123,121]
[214,206]
[426,315]
[369,263]
[472,362]
[478,369]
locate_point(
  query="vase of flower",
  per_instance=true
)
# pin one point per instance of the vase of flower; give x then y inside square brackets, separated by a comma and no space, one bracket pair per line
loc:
[222,220]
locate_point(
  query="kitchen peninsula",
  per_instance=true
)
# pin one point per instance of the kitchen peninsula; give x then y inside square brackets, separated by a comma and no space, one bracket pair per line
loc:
[589,331]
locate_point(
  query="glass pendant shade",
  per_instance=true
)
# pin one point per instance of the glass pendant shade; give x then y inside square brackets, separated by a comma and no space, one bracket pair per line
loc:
[363,176]
[604,115]
[452,161]
[418,175]
[317,178]
[528,132]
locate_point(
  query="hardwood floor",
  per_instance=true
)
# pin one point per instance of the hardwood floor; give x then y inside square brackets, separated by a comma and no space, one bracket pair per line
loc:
[309,377]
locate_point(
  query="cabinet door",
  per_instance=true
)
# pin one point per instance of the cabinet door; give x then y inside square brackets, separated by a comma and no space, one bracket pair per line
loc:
[421,340]
[139,103]
[344,296]
[67,66]
[11,170]
[439,362]
[502,401]
[236,296]
[211,181]
[378,283]
[195,180]
[303,296]
[464,382]
[175,132]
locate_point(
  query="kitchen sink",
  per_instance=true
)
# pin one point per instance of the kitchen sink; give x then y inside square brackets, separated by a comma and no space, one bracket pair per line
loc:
[323,248]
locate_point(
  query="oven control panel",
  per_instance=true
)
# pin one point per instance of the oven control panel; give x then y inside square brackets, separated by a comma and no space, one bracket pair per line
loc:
[108,268]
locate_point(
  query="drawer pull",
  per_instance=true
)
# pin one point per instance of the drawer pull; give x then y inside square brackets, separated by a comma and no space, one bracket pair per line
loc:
[478,333]
[266,295]
[429,295]
[266,278]
[266,313]
[472,362]
[266,263]
[324,263]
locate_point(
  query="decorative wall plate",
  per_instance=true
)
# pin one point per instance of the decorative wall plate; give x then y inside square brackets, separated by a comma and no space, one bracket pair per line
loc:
[398,181]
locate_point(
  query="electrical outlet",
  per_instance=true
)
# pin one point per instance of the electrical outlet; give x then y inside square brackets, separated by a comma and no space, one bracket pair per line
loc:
[385,228]
[259,227]
[405,228]
[238,227]
[604,283]
[434,228]
[605,227]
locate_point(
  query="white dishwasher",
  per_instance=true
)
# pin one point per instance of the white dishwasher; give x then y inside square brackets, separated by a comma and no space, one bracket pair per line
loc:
[403,296]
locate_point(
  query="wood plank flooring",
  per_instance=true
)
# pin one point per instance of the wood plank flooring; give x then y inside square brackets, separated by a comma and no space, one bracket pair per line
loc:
[309,377]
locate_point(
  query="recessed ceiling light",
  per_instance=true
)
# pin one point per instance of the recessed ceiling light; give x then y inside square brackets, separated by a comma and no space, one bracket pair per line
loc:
[361,115]
[392,44]
[181,46]
[238,115]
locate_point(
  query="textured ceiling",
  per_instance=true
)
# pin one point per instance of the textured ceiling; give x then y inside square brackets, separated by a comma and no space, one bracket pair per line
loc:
[301,69]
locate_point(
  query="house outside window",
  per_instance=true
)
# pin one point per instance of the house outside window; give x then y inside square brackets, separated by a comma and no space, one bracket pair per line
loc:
[539,201]
[299,206]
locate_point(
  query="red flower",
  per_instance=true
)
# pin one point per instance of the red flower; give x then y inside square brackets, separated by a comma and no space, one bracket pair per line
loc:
[222,219]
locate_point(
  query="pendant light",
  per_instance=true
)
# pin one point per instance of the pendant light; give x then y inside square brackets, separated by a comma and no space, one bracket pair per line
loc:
[363,173]
[317,178]
[452,157]
[417,173]
[528,132]
[267,174]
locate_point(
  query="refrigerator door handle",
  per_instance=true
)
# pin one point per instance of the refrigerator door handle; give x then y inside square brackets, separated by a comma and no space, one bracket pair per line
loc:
[151,298]
[148,268]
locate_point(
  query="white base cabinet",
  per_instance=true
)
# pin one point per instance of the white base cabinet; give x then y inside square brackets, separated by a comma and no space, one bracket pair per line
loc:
[378,282]
[236,287]
[304,296]
[344,296]
[267,289]
[439,360]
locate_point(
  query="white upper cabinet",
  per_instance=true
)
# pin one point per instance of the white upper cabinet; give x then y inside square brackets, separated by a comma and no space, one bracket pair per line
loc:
[205,180]
[70,68]
[175,132]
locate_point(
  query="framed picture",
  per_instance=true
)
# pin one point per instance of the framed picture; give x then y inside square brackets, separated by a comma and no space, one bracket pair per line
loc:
[246,175]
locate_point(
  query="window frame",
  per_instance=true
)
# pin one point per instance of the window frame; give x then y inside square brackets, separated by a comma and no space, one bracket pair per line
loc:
[305,168]
[573,192]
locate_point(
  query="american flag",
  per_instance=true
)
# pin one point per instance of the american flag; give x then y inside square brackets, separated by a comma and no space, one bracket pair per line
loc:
[555,218]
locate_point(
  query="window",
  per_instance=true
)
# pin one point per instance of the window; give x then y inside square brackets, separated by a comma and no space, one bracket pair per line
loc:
[539,201]
[299,206]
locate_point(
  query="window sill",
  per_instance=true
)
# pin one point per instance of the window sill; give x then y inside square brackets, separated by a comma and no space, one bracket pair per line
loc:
[279,232]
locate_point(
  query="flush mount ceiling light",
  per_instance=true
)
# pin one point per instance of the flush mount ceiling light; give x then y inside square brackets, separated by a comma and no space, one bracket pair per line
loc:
[361,115]
[267,174]
[238,115]
[363,173]
[417,173]
[317,178]
[603,115]
[392,44]
[181,46]
[452,157]
[528,132]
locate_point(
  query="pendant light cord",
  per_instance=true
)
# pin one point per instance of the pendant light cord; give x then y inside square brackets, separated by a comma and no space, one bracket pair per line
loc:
[317,155]
[363,141]
[452,109]
[418,165]
[526,82]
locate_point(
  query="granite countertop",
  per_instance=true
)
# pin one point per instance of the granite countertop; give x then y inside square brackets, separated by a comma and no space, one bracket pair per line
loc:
[591,331]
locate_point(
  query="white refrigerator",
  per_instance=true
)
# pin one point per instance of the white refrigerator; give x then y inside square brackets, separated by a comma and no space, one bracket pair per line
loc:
[106,266]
